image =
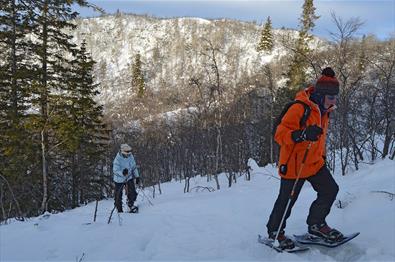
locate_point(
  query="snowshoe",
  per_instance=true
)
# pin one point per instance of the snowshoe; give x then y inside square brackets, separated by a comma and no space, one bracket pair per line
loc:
[308,239]
[133,209]
[270,242]
[323,231]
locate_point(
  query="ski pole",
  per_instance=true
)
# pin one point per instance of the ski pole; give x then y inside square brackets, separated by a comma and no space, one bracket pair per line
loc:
[116,198]
[292,192]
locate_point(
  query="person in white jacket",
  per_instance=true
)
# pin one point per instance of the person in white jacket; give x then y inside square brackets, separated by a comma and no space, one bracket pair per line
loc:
[125,170]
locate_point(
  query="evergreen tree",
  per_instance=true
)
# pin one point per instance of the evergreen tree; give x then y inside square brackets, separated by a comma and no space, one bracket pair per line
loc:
[36,84]
[266,40]
[137,77]
[53,22]
[308,16]
[15,95]
[14,70]
[80,128]
[299,64]
[362,63]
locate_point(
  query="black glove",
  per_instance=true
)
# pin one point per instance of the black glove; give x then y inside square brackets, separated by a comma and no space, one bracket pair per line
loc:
[125,172]
[138,181]
[298,136]
[311,133]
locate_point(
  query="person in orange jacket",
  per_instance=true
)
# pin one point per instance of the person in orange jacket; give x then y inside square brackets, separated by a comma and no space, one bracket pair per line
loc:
[294,141]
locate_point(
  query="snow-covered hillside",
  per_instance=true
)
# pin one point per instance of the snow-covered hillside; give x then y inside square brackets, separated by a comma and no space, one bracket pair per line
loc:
[171,50]
[216,226]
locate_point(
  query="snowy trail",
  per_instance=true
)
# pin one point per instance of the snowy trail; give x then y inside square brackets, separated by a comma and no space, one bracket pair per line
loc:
[211,226]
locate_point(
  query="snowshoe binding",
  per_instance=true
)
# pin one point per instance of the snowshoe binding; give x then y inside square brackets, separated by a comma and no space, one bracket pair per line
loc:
[323,231]
[133,209]
[284,244]
[283,241]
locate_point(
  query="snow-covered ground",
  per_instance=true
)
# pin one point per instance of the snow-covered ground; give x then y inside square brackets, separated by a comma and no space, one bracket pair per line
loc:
[221,225]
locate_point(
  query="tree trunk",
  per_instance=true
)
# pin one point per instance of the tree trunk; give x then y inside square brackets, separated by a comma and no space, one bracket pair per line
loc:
[44,203]
[14,65]
[44,114]
[387,140]
[217,156]
[186,185]
[159,188]
[74,190]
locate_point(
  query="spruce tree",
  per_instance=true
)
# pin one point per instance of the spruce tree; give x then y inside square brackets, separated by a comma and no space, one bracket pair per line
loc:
[35,84]
[299,64]
[53,23]
[266,40]
[137,76]
[307,20]
[15,74]
[83,130]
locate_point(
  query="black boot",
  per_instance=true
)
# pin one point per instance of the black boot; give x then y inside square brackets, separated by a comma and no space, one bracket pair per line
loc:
[119,207]
[325,232]
[133,208]
[283,240]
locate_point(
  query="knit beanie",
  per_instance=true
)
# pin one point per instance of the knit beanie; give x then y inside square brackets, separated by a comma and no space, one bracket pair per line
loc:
[327,84]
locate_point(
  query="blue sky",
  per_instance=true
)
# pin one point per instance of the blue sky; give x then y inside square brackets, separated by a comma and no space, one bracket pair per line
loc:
[378,16]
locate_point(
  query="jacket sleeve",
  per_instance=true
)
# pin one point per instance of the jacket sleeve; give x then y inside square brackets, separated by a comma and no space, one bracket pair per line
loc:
[289,123]
[325,127]
[116,168]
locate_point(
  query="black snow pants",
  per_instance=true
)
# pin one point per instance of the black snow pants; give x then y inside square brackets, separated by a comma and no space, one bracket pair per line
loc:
[326,188]
[130,193]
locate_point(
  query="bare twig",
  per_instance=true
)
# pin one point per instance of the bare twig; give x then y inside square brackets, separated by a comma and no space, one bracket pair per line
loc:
[201,188]
[145,196]
[391,195]
[14,198]
[81,258]
[266,174]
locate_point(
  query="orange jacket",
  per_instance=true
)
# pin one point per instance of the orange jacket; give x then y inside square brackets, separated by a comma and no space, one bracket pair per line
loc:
[292,153]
